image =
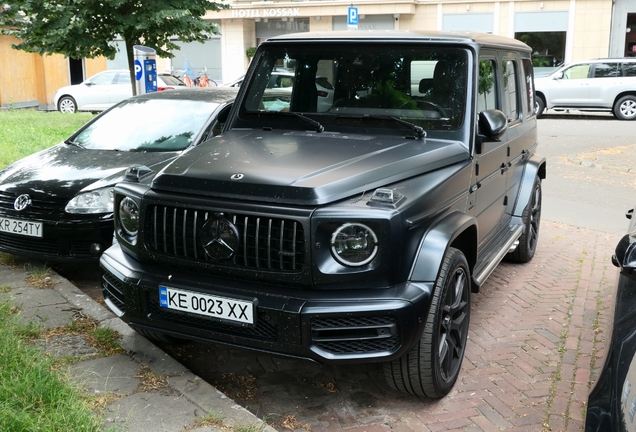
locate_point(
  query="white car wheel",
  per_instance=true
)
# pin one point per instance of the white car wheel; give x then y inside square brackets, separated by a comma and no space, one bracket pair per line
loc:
[67,105]
[625,108]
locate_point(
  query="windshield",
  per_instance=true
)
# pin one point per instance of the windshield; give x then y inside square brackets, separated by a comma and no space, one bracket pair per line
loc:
[423,85]
[147,125]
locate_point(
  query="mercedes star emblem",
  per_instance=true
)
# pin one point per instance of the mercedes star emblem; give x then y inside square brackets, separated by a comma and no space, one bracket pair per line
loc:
[22,202]
[220,239]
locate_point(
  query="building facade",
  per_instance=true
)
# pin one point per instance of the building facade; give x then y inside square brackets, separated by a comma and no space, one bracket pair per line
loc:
[581,29]
[559,31]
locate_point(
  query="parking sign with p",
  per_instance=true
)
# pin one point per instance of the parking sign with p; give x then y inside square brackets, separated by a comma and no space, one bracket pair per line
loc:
[352,18]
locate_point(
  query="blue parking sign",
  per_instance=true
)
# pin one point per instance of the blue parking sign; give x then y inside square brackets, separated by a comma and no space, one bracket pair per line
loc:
[138,70]
[352,16]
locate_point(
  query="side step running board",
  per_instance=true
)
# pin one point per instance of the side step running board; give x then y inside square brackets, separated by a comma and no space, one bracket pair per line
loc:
[481,277]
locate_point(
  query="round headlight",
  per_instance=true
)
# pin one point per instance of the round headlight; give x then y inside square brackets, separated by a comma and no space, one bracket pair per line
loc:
[129,216]
[354,244]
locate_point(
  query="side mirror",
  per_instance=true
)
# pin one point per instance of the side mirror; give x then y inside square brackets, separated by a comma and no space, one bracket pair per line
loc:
[88,83]
[492,123]
[558,76]
[625,256]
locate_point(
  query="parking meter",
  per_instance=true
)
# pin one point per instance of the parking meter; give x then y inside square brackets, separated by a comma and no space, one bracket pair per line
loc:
[145,69]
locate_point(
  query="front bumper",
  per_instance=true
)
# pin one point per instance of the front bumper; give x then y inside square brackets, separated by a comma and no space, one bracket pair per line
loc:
[327,326]
[62,241]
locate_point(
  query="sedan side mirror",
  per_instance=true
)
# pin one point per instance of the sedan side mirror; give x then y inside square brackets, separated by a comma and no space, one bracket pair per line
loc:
[558,76]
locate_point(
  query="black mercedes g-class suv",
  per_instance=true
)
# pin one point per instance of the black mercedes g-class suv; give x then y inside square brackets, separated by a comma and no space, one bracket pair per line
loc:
[345,215]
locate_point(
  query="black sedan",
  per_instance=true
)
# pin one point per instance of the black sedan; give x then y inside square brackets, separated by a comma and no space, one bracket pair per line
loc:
[612,401]
[56,205]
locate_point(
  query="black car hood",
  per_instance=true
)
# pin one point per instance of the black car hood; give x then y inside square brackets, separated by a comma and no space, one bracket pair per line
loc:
[64,170]
[302,167]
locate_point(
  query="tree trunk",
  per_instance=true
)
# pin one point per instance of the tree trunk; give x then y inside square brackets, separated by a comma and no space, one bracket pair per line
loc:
[130,55]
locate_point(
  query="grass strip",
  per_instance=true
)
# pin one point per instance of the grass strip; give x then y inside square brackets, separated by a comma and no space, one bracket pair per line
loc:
[24,132]
[32,396]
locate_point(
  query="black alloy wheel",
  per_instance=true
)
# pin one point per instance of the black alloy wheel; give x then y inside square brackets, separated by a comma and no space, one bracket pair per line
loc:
[431,368]
[532,220]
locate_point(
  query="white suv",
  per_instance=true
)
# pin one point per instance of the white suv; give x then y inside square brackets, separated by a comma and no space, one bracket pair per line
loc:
[594,85]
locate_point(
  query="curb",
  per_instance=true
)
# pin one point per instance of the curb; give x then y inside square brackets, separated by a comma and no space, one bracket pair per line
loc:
[172,408]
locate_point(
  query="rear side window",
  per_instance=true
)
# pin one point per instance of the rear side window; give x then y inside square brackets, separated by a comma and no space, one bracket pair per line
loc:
[607,70]
[629,69]
[528,83]
[511,99]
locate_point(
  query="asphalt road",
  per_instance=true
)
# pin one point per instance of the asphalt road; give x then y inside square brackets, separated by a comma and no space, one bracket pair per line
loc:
[293,395]
[582,196]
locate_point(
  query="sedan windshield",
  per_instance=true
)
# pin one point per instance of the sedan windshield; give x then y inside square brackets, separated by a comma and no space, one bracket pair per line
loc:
[147,125]
[362,83]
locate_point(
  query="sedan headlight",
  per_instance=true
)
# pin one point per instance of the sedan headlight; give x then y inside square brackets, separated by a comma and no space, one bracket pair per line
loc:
[95,201]
[354,244]
[129,216]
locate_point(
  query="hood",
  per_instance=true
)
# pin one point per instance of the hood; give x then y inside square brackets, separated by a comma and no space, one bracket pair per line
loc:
[304,168]
[64,170]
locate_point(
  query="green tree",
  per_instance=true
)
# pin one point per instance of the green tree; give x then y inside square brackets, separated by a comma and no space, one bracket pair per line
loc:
[88,28]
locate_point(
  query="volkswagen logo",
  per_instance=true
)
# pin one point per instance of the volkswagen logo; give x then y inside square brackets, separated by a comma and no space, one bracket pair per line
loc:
[22,202]
[220,239]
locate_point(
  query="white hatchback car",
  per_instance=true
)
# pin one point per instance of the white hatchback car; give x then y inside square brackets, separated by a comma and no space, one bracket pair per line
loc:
[607,84]
[104,90]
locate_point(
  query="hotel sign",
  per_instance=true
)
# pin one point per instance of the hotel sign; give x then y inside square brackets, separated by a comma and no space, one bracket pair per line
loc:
[265,13]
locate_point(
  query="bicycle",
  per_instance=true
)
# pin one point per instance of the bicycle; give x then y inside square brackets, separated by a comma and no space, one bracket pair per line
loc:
[204,80]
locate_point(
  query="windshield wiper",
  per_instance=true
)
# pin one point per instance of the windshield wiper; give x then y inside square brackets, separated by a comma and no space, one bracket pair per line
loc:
[73,143]
[314,123]
[419,131]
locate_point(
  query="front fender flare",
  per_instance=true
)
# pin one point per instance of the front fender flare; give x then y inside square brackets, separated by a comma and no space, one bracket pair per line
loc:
[438,239]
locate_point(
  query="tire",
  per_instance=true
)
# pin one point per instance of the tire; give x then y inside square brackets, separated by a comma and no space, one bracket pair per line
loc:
[67,105]
[432,366]
[539,106]
[160,337]
[532,220]
[625,108]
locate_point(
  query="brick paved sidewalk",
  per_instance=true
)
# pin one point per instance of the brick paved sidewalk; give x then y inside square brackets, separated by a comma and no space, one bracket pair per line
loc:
[536,344]
[536,339]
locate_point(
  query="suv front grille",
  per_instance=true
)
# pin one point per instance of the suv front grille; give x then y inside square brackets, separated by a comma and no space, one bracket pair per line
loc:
[266,243]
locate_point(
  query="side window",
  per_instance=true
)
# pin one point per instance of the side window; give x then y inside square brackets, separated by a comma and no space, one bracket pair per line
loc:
[629,69]
[123,78]
[528,82]
[104,78]
[607,70]
[511,94]
[577,72]
[487,90]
